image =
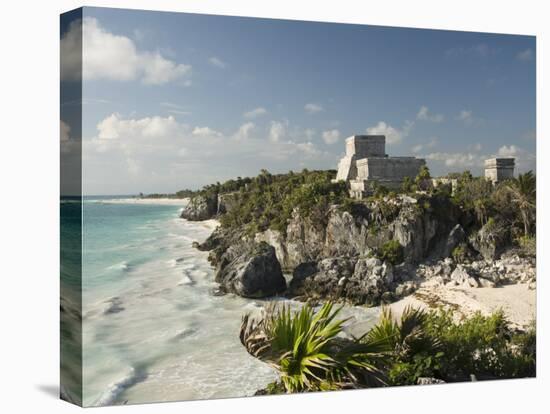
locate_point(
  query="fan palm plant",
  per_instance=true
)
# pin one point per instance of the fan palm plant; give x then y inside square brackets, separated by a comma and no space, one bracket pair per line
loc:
[405,337]
[305,348]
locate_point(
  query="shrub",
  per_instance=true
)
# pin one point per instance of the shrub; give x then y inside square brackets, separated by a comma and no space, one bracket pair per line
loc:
[392,252]
[308,351]
[459,253]
[305,348]
[528,245]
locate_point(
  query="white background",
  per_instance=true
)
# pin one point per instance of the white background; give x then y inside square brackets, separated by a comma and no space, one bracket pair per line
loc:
[29,267]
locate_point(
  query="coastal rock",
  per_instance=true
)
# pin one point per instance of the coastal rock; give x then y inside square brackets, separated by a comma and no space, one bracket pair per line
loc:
[429,381]
[456,236]
[346,235]
[359,281]
[251,270]
[304,241]
[460,276]
[491,240]
[275,239]
[201,207]
[226,202]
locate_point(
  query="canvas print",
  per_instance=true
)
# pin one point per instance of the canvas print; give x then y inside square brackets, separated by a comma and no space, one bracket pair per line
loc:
[260,206]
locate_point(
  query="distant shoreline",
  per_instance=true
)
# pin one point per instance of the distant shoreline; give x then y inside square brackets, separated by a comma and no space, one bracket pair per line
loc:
[141,200]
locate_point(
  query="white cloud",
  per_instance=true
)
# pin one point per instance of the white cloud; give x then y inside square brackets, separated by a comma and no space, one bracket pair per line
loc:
[393,135]
[158,70]
[466,116]
[508,151]
[277,131]
[313,108]
[525,55]
[206,132]
[457,159]
[114,127]
[307,148]
[254,113]
[417,148]
[244,131]
[525,160]
[430,144]
[425,115]
[474,159]
[113,57]
[215,61]
[331,137]
[65,131]
[157,153]
[309,133]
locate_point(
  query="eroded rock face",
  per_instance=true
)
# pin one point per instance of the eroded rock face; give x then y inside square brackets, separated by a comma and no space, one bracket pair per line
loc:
[359,281]
[491,240]
[250,270]
[456,236]
[201,207]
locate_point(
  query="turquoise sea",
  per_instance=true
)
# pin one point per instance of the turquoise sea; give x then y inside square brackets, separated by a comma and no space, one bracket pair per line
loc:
[152,330]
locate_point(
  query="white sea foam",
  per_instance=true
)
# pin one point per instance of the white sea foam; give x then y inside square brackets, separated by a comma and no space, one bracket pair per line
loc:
[114,389]
[165,320]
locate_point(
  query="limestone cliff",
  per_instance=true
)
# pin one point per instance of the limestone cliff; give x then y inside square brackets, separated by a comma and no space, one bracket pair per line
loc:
[374,251]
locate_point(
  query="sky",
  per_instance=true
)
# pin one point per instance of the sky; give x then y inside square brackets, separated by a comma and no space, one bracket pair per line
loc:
[175,100]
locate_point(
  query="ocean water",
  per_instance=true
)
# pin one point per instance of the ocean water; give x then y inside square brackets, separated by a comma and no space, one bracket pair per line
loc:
[152,329]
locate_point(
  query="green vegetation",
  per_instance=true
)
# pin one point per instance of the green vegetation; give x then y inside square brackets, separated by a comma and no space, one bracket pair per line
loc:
[391,252]
[510,204]
[306,350]
[268,201]
[179,194]
[460,253]
[423,180]
[310,354]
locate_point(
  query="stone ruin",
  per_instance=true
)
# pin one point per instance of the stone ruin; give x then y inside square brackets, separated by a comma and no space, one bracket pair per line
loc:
[366,165]
[499,169]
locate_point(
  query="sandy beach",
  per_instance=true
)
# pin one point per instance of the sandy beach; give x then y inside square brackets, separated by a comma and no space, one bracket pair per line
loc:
[517,301]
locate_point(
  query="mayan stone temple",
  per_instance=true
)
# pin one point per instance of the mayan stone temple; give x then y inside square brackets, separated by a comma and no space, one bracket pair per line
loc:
[499,169]
[367,163]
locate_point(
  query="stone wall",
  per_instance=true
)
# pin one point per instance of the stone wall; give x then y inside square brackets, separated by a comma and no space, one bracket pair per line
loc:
[346,169]
[389,168]
[363,146]
[499,169]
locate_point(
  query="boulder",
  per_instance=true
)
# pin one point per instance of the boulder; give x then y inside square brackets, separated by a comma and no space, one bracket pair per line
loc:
[456,236]
[460,276]
[491,240]
[277,240]
[251,270]
[359,281]
[201,207]
[486,283]
[429,381]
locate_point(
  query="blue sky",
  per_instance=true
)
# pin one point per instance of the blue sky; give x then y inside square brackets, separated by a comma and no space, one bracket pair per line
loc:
[174,100]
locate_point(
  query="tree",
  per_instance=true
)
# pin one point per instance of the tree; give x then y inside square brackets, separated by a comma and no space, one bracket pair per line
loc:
[423,179]
[523,191]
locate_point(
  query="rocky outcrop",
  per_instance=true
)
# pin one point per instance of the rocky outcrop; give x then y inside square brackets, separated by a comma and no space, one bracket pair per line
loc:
[201,207]
[491,240]
[359,281]
[509,269]
[250,270]
[340,256]
[420,232]
[226,202]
